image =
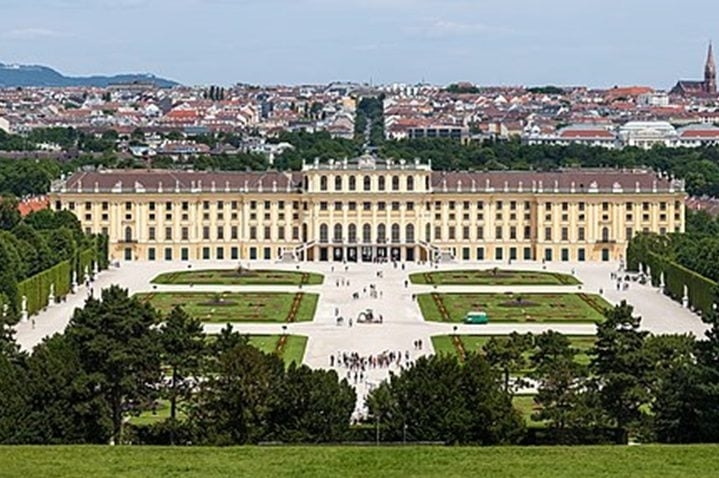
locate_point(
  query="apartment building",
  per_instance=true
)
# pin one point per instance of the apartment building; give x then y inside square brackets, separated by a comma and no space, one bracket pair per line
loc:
[368,209]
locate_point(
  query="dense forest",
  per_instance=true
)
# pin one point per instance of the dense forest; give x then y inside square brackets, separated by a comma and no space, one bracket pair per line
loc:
[698,167]
[118,357]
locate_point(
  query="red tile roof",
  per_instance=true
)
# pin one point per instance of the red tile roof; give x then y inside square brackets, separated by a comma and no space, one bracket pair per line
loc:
[700,133]
[586,133]
[32,205]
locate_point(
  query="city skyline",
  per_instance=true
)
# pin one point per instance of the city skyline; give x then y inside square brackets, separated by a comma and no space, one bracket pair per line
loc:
[597,44]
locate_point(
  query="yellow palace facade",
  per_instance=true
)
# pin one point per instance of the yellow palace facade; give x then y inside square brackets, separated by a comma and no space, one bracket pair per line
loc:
[367,209]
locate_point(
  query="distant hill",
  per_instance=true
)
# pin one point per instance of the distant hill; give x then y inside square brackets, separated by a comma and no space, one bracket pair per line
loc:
[35,75]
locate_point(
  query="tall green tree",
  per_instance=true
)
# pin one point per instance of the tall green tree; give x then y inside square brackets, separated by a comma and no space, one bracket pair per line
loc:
[183,347]
[233,402]
[311,406]
[120,350]
[9,212]
[13,399]
[437,399]
[64,404]
[38,256]
[508,354]
[567,399]
[621,366]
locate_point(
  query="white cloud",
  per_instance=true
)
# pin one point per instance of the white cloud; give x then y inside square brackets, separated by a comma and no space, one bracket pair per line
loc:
[439,28]
[31,33]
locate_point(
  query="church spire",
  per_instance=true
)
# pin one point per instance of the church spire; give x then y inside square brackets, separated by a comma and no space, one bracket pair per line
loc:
[710,73]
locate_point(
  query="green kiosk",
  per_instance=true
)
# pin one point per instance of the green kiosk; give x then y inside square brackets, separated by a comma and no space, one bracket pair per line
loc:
[476,318]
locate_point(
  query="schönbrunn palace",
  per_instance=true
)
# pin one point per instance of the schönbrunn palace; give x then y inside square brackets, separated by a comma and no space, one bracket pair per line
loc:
[369,209]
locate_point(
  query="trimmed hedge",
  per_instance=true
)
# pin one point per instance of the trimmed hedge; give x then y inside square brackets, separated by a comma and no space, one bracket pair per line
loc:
[37,287]
[700,290]
[102,251]
[85,259]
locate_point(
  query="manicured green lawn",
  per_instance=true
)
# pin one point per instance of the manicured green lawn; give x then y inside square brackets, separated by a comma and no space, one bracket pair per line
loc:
[266,343]
[443,345]
[150,417]
[235,307]
[525,404]
[493,277]
[232,277]
[294,349]
[515,308]
[647,461]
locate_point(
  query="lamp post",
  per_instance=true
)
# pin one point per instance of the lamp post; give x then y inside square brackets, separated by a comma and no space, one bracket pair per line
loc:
[284,330]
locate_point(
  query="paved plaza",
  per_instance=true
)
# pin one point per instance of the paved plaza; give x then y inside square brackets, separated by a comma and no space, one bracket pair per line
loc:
[402,320]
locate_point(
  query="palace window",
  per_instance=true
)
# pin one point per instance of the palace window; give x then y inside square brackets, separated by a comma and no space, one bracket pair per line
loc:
[324,233]
[395,233]
[367,233]
[381,233]
[409,233]
[338,233]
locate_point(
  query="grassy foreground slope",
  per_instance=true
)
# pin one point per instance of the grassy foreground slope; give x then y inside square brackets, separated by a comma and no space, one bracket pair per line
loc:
[536,462]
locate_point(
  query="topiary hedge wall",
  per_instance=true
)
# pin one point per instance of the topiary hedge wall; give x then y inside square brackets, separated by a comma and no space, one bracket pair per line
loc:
[84,260]
[700,290]
[102,251]
[37,288]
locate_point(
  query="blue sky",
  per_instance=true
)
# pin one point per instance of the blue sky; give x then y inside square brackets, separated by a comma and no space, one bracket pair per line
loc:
[511,42]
